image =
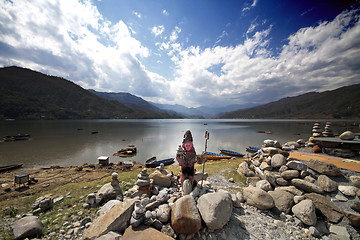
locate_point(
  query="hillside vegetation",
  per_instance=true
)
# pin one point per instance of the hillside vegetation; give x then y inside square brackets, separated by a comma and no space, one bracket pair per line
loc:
[343,103]
[26,94]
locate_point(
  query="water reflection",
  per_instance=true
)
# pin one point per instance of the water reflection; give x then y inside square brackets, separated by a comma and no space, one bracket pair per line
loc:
[62,143]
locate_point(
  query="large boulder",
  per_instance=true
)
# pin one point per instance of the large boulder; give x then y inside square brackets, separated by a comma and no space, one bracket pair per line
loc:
[25,227]
[215,209]
[326,207]
[163,213]
[324,167]
[258,198]
[296,165]
[144,232]
[327,184]
[117,219]
[305,211]
[160,179]
[108,191]
[283,200]
[349,191]
[185,217]
[107,206]
[306,186]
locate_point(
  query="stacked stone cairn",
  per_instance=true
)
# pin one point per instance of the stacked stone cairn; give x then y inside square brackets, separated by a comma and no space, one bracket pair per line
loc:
[156,205]
[328,132]
[308,193]
[316,131]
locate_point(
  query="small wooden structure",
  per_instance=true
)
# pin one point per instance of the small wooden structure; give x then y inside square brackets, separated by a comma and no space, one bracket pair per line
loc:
[103,160]
[21,178]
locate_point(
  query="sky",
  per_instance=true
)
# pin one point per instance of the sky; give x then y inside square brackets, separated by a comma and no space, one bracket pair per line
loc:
[189,52]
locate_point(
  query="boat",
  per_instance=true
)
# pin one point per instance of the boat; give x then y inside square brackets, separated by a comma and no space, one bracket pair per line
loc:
[333,142]
[10,167]
[231,153]
[152,162]
[17,137]
[214,156]
[252,149]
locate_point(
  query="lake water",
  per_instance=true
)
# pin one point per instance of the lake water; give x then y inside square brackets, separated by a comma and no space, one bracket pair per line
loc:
[63,143]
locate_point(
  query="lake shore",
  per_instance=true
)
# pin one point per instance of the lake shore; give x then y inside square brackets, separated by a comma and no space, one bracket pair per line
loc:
[75,183]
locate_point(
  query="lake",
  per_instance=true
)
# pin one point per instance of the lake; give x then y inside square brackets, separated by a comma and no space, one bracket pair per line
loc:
[71,142]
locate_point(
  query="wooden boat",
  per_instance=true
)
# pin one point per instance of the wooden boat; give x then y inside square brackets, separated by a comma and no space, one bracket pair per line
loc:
[252,149]
[17,137]
[214,156]
[152,162]
[231,153]
[10,167]
[337,142]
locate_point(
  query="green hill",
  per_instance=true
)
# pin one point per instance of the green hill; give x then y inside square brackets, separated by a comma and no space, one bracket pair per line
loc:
[343,102]
[26,94]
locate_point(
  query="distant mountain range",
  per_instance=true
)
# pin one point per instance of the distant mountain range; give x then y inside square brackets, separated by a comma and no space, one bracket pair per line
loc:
[341,103]
[27,94]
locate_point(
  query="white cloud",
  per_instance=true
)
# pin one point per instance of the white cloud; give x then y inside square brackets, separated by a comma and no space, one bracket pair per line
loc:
[166,13]
[73,40]
[137,14]
[247,8]
[175,34]
[158,30]
[315,59]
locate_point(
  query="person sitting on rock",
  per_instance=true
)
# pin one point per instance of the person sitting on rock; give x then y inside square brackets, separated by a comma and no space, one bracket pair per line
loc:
[186,156]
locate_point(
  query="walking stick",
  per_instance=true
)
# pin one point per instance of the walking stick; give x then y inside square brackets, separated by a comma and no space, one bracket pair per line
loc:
[207,136]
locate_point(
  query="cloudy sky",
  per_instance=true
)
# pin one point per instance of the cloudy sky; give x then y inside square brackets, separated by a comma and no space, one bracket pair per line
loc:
[189,52]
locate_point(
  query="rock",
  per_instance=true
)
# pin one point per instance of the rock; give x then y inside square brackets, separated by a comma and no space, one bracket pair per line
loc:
[298,199]
[324,167]
[45,203]
[110,236]
[295,144]
[115,220]
[306,186]
[310,179]
[153,205]
[185,217]
[277,161]
[200,176]
[349,191]
[354,218]
[271,151]
[160,179]
[322,227]
[28,226]
[327,208]
[237,199]
[107,206]
[215,209]
[251,181]
[355,181]
[347,135]
[355,206]
[297,165]
[258,198]
[144,232]
[283,200]
[264,166]
[283,168]
[340,232]
[290,174]
[163,196]
[108,191]
[58,199]
[168,230]
[282,182]
[187,187]
[314,232]
[163,213]
[291,189]
[264,185]
[244,169]
[305,211]
[339,196]
[327,184]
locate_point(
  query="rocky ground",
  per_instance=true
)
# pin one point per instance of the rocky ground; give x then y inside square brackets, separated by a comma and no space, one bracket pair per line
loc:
[246,221]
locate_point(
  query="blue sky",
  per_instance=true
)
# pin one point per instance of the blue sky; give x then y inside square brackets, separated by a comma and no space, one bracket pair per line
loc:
[199,52]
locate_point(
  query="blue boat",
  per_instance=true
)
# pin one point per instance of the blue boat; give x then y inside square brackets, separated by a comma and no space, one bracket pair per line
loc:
[231,153]
[252,149]
[152,162]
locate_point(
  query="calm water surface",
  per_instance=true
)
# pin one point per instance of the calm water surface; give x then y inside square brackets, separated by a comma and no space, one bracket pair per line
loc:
[62,143]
